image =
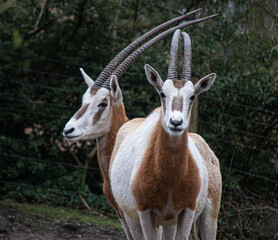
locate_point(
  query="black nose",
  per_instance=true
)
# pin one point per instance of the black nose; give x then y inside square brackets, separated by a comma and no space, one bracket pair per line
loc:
[176,122]
[68,131]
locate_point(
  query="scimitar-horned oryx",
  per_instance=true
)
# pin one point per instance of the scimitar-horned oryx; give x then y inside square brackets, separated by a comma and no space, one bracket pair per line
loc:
[160,174]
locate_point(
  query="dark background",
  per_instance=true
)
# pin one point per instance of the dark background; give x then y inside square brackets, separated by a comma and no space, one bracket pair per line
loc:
[43,44]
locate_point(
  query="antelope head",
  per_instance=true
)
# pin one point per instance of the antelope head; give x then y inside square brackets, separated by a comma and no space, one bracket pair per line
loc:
[93,119]
[177,96]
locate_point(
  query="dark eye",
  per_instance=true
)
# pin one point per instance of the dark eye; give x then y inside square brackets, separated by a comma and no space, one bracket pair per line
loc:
[102,105]
[162,95]
[192,97]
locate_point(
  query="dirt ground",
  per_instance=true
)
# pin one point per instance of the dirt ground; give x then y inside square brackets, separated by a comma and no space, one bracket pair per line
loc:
[16,224]
[26,221]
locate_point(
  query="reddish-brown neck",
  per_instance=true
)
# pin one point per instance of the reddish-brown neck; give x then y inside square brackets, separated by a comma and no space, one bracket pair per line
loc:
[167,170]
[170,154]
[106,143]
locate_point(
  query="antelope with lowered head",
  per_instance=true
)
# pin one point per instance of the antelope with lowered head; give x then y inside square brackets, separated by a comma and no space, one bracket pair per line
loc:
[162,175]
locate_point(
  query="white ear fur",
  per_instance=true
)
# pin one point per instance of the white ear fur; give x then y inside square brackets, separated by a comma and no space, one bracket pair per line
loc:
[153,77]
[204,83]
[87,79]
[115,90]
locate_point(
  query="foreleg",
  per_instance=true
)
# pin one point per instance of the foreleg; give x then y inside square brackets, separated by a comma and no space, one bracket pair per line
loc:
[134,228]
[205,227]
[169,232]
[185,221]
[126,228]
[150,230]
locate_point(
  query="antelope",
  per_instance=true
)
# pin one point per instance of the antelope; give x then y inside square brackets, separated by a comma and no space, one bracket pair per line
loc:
[103,113]
[160,174]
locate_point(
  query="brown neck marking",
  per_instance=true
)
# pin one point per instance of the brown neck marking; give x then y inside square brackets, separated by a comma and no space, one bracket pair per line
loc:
[106,143]
[167,168]
[105,147]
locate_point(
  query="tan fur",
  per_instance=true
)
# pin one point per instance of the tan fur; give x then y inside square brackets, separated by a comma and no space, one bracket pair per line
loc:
[178,83]
[214,175]
[93,90]
[177,103]
[167,168]
[104,156]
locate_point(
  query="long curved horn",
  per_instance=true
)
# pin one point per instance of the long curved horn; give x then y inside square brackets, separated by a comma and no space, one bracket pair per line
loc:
[173,62]
[120,70]
[106,73]
[186,66]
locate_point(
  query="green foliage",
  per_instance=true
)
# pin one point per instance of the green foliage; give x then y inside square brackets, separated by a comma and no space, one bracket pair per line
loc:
[41,88]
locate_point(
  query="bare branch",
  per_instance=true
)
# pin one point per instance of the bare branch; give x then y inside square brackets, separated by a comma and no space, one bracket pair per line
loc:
[88,207]
[40,15]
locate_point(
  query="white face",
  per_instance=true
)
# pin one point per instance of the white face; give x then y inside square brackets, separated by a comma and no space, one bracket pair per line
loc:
[176,104]
[93,119]
[177,99]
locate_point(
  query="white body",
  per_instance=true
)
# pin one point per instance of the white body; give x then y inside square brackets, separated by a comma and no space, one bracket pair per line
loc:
[126,162]
[160,174]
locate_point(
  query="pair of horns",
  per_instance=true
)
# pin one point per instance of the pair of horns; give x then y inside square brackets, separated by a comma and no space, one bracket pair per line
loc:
[173,62]
[117,69]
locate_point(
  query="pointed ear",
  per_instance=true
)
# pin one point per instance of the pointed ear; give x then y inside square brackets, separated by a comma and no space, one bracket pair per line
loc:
[87,79]
[115,90]
[153,77]
[204,83]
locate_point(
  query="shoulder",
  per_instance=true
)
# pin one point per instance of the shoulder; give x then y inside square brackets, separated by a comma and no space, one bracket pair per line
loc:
[204,149]
[196,138]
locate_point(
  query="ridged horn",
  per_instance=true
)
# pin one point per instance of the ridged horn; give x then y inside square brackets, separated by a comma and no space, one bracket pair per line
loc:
[173,61]
[120,70]
[106,73]
[186,66]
